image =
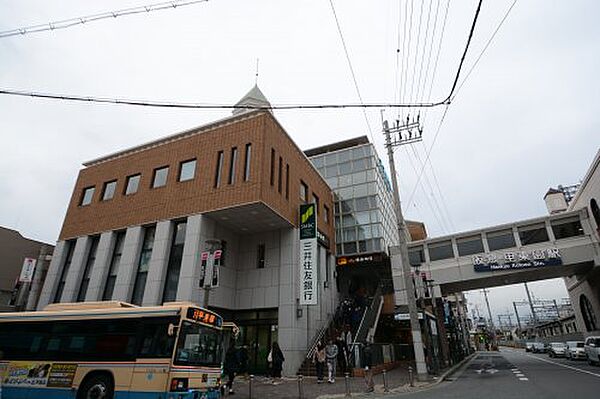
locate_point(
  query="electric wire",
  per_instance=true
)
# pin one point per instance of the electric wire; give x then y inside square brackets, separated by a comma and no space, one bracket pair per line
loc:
[339,28]
[424,50]
[485,47]
[414,73]
[67,23]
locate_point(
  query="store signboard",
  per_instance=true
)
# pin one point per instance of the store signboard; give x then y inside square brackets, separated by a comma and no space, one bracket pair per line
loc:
[308,262]
[516,260]
[27,270]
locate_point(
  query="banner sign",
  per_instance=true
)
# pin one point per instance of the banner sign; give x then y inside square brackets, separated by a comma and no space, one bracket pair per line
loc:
[27,270]
[308,221]
[517,260]
[57,375]
[209,268]
[308,272]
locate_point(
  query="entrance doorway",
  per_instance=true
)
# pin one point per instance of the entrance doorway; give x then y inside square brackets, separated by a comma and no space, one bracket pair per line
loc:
[258,330]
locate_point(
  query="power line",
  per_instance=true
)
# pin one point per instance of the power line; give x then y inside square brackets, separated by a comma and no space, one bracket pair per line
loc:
[67,23]
[339,28]
[486,46]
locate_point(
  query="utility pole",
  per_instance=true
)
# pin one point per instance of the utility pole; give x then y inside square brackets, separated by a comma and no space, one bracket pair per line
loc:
[535,320]
[402,235]
[517,314]
[487,302]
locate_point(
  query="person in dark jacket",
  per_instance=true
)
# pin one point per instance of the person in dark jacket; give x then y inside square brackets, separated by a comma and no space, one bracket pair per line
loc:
[368,365]
[242,356]
[276,359]
[230,367]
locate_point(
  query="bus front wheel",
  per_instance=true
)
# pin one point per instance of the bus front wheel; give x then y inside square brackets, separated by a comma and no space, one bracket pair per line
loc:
[96,386]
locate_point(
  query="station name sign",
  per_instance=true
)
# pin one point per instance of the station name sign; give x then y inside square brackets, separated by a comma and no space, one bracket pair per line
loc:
[204,316]
[517,260]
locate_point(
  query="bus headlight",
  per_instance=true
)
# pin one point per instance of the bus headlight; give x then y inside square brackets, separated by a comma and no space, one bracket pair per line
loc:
[179,384]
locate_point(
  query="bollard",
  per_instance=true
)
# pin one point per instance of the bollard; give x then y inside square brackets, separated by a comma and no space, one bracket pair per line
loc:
[250,386]
[300,387]
[347,378]
[385,384]
[410,376]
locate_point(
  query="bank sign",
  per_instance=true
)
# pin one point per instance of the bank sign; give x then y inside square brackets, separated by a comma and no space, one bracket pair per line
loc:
[517,260]
[308,261]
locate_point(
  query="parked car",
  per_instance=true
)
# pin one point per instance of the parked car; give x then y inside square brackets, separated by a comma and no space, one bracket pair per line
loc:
[556,349]
[538,347]
[575,350]
[592,349]
[529,346]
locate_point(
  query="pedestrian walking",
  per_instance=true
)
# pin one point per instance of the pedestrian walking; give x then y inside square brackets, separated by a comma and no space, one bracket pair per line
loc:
[331,353]
[242,355]
[368,366]
[230,367]
[342,353]
[276,359]
[319,361]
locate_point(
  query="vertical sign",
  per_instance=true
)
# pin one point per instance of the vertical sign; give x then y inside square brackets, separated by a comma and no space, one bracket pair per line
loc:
[27,270]
[209,268]
[308,255]
[203,265]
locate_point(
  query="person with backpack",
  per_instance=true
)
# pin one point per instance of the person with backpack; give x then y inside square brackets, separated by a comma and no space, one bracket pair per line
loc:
[331,353]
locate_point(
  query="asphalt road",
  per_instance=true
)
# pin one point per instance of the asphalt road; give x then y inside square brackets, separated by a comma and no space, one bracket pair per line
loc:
[515,374]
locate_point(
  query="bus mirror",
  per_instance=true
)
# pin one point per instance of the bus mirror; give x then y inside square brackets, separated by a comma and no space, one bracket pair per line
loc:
[171,330]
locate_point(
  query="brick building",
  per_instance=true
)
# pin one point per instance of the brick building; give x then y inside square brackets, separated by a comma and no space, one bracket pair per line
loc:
[139,219]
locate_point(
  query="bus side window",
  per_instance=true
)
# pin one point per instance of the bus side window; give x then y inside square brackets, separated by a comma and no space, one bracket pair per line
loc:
[154,343]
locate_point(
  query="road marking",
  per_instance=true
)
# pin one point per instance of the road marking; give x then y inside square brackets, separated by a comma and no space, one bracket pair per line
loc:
[564,365]
[519,375]
[524,379]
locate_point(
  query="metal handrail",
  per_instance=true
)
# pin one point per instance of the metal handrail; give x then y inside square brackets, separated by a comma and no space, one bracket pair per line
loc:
[318,337]
[367,310]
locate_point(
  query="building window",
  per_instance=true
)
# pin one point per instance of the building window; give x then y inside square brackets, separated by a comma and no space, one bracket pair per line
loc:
[174,266]
[287,181]
[533,234]
[568,227]
[133,182]
[88,194]
[326,213]
[139,285]
[280,175]
[261,256]
[587,311]
[272,166]
[187,170]
[160,177]
[247,159]
[303,191]
[469,245]
[70,247]
[327,267]
[500,239]
[316,201]
[87,271]
[218,169]
[416,255]
[108,192]
[232,163]
[441,250]
[113,269]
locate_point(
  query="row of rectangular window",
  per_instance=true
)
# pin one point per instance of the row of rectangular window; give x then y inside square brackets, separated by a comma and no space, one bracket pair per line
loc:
[280,182]
[362,246]
[502,239]
[342,156]
[187,171]
[346,168]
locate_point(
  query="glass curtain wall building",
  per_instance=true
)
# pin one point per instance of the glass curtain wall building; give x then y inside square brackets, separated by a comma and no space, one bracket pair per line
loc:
[364,214]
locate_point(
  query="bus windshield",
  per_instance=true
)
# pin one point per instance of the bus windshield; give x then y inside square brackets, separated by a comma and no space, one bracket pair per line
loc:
[198,345]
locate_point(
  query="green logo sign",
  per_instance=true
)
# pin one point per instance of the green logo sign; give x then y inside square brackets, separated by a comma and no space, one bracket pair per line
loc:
[308,221]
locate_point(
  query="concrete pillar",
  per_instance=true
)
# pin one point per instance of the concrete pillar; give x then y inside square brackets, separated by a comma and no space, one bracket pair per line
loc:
[189,275]
[129,263]
[37,283]
[100,267]
[75,274]
[157,269]
[51,282]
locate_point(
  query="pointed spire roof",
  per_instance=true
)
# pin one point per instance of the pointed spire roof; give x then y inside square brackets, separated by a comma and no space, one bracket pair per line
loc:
[254,98]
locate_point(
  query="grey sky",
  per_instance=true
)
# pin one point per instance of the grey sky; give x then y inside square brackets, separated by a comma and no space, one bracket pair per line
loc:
[525,120]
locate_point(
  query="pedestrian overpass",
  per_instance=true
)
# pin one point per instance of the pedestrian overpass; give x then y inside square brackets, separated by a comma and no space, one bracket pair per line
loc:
[552,246]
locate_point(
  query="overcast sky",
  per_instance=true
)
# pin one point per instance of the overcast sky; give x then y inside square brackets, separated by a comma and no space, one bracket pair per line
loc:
[525,120]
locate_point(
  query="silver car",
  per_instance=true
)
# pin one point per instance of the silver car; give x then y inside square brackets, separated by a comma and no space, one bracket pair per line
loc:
[592,349]
[575,350]
[556,349]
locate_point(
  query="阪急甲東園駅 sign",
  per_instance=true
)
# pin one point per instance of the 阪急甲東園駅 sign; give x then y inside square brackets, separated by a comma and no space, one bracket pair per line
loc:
[517,260]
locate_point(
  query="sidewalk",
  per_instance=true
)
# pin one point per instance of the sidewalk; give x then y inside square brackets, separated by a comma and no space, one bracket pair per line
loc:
[262,388]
